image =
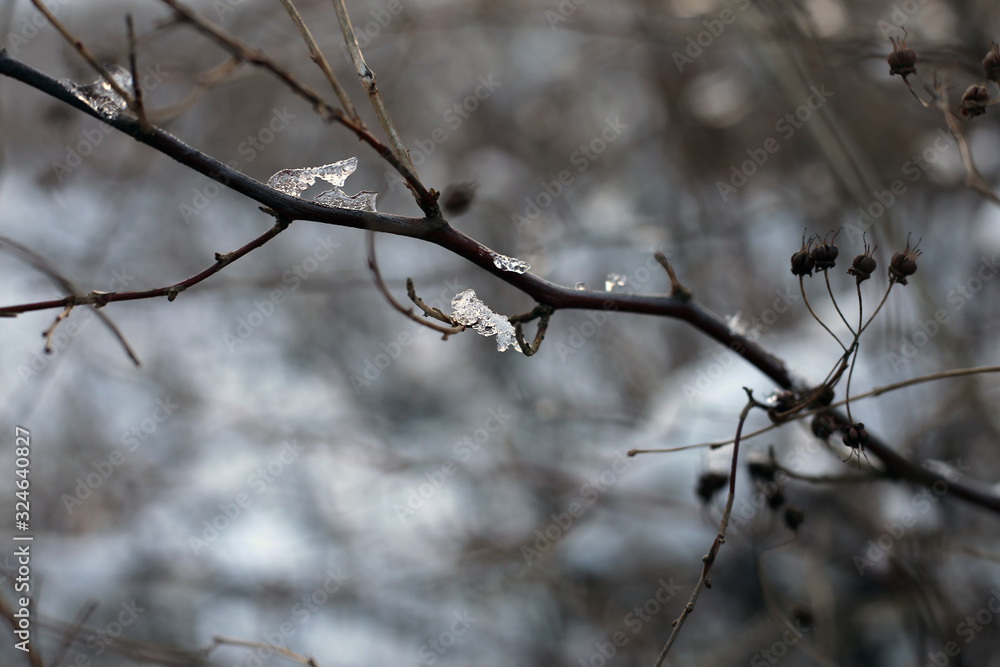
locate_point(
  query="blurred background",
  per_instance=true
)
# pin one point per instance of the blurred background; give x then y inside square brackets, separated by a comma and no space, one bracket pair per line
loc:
[296,463]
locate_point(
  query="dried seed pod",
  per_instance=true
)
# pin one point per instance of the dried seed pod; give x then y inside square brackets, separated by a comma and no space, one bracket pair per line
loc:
[975,100]
[991,63]
[904,263]
[794,517]
[821,396]
[709,484]
[762,470]
[825,254]
[855,436]
[863,265]
[803,614]
[903,59]
[802,261]
[780,402]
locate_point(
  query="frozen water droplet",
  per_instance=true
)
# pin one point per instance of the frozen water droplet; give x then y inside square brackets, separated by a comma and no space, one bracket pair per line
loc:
[737,324]
[470,311]
[505,263]
[580,286]
[100,96]
[294,181]
[614,280]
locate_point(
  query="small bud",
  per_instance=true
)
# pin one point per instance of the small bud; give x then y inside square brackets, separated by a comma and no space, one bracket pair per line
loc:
[904,263]
[975,100]
[863,265]
[458,197]
[991,63]
[902,60]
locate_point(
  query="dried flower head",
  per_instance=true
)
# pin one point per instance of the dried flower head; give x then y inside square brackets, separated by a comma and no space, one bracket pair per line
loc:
[991,63]
[904,263]
[975,100]
[823,425]
[863,265]
[903,59]
[824,253]
[802,261]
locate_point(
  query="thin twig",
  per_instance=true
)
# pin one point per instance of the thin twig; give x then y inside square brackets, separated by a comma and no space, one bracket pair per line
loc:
[320,60]
[77,44]
[34,655]
[380,284]
[677,290]
[71,632]
[720,538]
[367,79]
[139,108]
[805,299]
[877,391]
[279,650]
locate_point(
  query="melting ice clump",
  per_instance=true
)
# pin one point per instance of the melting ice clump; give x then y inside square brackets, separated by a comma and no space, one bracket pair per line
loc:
[738,324]
[511,264]
[472,312]
[614,280]
[294,181]
[100,96]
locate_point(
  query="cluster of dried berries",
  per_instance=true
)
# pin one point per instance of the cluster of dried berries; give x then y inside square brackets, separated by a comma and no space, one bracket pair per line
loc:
[902,61]
[822,255]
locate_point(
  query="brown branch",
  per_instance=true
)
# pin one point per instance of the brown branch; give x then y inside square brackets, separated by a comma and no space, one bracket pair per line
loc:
[720,538]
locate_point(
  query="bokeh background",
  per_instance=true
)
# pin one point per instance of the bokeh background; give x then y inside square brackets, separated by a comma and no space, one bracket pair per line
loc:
[296,463]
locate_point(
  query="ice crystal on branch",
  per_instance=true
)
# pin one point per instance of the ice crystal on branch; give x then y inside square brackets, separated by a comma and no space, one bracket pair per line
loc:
[511,264]
[100,96]
[294,181]
[471,312]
